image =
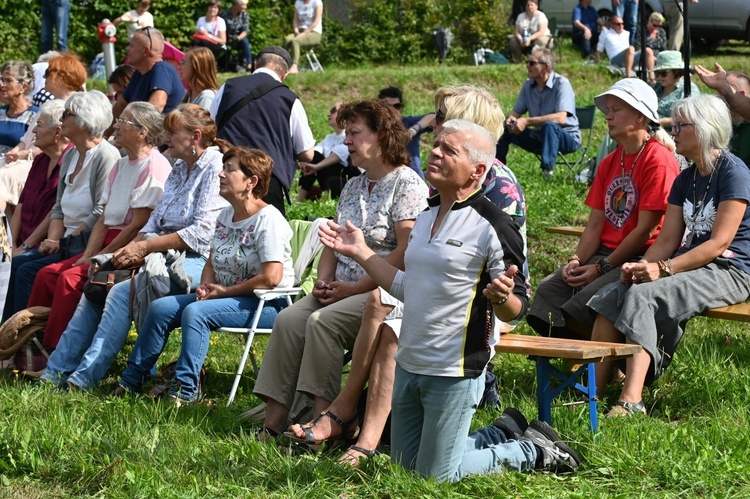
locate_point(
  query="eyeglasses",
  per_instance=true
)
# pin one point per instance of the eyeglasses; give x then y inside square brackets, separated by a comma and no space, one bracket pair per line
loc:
[439,117]
[67,113]
[661,74]
[333,110]
[677,127]
[121,121]
[147,30]
[617,24]
[398,105]
[8,81]
[656,25]
[533,63]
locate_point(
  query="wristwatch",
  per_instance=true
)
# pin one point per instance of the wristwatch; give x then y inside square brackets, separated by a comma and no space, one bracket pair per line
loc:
[24,246]
[605,266]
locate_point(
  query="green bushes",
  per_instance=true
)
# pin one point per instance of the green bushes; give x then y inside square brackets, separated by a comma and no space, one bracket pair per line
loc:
[381,30]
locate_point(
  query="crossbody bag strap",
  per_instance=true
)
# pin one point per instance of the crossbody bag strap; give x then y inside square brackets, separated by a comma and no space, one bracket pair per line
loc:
[256,93]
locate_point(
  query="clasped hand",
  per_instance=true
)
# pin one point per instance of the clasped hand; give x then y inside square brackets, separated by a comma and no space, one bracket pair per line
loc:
[640,272]
[576,275]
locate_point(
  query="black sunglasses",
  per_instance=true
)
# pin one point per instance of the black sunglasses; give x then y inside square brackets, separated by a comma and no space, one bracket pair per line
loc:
[333,110]
[398,105]
[147,30]
[661,74]
[439,116]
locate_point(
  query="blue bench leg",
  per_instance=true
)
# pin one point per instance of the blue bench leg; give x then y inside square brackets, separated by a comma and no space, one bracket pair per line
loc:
[593,417]
[544,389]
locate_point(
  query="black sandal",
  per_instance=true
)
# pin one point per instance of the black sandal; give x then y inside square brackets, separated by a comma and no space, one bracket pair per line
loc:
[366,454]
[309,438]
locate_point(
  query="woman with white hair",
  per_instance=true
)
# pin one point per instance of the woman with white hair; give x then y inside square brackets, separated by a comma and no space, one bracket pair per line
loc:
[700,260]
[627,199]
[80,191]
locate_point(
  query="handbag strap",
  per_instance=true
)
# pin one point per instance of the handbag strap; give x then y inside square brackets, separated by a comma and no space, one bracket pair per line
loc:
[256,93]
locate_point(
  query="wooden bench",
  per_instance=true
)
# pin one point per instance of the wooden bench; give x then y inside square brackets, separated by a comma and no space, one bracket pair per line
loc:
[584,353]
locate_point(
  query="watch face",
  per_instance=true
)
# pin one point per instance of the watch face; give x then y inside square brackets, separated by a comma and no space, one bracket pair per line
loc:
[606,266]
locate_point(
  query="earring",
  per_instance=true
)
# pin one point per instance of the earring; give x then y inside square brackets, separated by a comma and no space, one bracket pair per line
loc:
[193,150]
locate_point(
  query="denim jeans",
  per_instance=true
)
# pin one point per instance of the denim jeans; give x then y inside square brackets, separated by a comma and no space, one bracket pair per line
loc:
[247,52]
[198,319]
[55,15]
[23,271]
[628,11]
[547,140]
[94,337]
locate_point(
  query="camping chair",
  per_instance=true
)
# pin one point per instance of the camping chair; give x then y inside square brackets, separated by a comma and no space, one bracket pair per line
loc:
[555,41]
[306,250]
[585,116]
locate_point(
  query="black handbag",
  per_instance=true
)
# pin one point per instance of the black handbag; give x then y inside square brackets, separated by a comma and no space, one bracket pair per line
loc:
[73,245]
[103,277]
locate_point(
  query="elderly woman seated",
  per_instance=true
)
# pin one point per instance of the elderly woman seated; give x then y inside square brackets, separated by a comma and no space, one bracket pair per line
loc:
[250,250]
[306,350]
[700,260]
[179,233]
[134,187]
[84,171]
[627,199]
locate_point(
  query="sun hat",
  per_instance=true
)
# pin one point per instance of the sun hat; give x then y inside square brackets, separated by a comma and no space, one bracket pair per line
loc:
[281,52]
[669,59]
[636,93]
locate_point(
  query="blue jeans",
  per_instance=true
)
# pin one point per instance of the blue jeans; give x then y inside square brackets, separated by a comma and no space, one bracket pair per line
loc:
[247,53]
[628,11]
[198,319]
[55,15]
[547,140]
[23,271]
[430,429]
[94,337]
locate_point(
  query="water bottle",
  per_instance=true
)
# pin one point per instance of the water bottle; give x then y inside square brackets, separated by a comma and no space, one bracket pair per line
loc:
[525,34]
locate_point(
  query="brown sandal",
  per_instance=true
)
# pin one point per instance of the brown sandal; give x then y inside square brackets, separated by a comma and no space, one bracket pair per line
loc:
[309,438]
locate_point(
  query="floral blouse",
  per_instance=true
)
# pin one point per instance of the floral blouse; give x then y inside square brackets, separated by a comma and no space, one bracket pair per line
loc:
[656,44]
[236,25]
[400,195]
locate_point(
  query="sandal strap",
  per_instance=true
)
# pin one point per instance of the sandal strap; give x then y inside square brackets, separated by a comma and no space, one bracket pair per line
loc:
[337,419]
[367,452]
[632,407]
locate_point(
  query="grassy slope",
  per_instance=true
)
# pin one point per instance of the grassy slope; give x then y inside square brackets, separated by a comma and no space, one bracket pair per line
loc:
[71,444]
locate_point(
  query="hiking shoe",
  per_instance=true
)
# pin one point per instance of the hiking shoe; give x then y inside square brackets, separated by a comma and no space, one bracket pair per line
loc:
[556,455]
[512,422]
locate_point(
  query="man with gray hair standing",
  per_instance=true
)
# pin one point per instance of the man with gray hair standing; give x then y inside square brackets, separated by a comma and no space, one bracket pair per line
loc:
[552,124]
[259,111]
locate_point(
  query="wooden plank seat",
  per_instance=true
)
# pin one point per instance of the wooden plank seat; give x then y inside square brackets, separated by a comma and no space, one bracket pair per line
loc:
[584,353]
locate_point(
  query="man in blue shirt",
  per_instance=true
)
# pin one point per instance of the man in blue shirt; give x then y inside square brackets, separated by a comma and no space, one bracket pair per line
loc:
[586,23]
[552,124]
[154,80]
[415,125]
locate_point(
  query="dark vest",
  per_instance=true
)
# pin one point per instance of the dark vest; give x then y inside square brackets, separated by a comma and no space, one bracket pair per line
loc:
[262,124]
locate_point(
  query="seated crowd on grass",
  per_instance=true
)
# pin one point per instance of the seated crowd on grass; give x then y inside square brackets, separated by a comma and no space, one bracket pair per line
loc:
[423,267]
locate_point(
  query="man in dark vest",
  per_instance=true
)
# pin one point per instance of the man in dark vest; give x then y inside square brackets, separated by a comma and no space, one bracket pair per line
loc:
[259,111]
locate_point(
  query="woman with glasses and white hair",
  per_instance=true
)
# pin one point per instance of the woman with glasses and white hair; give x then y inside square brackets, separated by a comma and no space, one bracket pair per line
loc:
[80,192]
[134,187]
[627,199]
[700,260]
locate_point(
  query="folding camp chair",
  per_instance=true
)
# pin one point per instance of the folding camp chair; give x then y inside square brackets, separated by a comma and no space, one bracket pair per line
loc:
[586,116]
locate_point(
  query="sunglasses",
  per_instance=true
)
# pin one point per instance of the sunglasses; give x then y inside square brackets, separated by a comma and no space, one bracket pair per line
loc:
[333,110]
[398,105]
[533,63]
[439,116]
[147,31]
[656,25]
[67,113]
[617,24]
[661,74]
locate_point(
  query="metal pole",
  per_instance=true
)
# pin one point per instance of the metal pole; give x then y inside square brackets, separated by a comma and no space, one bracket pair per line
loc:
[688,48]
[642,22]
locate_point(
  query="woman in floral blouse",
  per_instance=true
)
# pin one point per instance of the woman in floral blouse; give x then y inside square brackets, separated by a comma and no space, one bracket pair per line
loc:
[250,250]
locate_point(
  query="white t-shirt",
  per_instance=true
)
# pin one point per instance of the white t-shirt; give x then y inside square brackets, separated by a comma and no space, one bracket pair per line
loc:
[76,199]
[611,43]
[523,21]
[214,28]
[334,143]
[143,179]
[306,14]
[134,21]
[239,249]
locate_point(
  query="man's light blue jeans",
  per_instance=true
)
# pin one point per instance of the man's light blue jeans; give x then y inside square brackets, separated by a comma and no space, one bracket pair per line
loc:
[94,336]
[55,15]
[546,141]
[198,319]
[430,430]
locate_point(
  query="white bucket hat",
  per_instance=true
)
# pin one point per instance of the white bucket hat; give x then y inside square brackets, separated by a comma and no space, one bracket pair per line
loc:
[636,93]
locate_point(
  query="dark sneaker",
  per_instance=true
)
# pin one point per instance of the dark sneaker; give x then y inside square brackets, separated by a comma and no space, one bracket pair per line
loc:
[556,454]
[180,397]
[512,422]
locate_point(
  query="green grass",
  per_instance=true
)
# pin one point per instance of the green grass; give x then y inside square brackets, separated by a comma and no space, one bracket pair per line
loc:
[59,444]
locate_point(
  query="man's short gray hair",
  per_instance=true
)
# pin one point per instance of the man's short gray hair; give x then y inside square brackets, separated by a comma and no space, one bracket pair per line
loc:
[93,111]
[481,147]
[273,62]
[545,56]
